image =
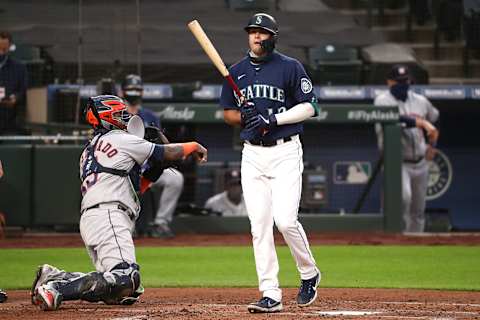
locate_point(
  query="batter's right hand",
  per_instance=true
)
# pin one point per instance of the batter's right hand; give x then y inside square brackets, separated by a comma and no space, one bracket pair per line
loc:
[248,111]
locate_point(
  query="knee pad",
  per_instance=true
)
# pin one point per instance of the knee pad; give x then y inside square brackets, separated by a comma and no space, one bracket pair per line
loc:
[121,285]
[124,281]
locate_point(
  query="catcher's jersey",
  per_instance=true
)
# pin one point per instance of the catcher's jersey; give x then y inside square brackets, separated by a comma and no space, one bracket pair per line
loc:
[117,150]
[416,105]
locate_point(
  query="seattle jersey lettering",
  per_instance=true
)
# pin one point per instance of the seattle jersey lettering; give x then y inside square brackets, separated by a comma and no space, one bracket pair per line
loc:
[262,91]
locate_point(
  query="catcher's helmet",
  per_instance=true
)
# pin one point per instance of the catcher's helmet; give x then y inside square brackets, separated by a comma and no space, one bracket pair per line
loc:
[107,112]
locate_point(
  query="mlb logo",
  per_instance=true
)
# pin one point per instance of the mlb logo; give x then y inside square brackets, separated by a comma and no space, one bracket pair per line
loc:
[352,172]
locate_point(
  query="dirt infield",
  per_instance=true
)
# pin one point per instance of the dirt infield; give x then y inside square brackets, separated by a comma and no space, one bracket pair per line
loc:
[230,303]
[74,240]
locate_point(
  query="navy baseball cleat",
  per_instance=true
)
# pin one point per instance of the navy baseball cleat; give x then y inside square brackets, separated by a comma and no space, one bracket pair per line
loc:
[265,305]
[308,291]
[3,296]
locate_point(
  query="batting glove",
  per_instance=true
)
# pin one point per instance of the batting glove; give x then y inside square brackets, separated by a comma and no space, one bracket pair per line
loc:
[247,113]
[263,124]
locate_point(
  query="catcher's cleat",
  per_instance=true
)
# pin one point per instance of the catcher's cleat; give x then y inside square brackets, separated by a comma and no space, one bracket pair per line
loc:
[265,305]
[41,276]
[3,296]
[308,291]
[47,298]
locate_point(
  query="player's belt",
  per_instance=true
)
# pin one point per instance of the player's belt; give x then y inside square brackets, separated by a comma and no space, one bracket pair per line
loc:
[272,143]
[112,205]
[414,161]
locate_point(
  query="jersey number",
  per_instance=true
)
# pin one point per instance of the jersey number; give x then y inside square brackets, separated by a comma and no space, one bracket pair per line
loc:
[88,182]
[280,110]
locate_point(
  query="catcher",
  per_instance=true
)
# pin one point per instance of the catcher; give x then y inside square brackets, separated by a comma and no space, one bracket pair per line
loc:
[110,207]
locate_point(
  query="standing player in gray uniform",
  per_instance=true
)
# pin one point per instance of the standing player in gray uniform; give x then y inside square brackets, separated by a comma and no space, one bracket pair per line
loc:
[171,180]
[279,97]
[109,208]
[414,148]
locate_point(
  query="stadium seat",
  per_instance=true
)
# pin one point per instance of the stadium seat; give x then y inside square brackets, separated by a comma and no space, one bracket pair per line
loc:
[335,64]
[31,56]
[379,58]
[260,5]
[471,29]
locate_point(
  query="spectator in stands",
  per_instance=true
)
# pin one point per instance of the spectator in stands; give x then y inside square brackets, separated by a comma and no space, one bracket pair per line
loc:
[415,150]
[13,86]
[171,180]
[229,202]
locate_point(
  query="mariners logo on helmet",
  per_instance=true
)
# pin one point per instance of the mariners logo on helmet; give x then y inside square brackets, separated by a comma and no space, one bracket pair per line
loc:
[263,21]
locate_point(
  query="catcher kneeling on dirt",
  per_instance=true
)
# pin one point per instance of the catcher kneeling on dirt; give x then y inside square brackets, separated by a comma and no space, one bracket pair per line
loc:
[111,163]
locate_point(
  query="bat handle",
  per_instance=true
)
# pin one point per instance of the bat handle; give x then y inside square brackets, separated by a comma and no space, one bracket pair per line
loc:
[235,88]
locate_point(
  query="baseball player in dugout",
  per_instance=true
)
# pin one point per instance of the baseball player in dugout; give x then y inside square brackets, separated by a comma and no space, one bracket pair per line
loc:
[415,149]
[110,207]
[171,180]
[229,203]
[279,98]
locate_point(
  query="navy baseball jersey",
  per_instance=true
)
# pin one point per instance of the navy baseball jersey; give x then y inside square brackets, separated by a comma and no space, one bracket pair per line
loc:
[274,86]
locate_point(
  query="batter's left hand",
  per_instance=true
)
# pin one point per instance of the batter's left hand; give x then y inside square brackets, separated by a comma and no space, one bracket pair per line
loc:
[266,124]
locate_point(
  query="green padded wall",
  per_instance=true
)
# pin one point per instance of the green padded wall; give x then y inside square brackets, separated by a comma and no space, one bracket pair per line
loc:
[56,187]
[15,186]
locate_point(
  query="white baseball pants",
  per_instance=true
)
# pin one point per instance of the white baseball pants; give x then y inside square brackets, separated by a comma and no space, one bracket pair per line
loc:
[272,186]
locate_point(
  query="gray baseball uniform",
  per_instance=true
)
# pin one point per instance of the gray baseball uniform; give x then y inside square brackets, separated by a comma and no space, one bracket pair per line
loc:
[171,181]
[414,147]
[110,204]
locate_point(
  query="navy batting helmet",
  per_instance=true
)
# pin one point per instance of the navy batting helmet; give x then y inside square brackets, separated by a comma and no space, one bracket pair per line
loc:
[263,21]
[266,22]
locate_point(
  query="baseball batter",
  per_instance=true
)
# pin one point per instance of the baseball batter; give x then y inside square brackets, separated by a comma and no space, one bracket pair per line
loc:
[279,97]
[109,208]
[414,148]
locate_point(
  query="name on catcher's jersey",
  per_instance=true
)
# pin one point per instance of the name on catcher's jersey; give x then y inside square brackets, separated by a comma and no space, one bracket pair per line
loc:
[274,86]
[117,150]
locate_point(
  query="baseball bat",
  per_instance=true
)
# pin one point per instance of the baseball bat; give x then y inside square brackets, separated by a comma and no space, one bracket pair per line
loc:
[212,53]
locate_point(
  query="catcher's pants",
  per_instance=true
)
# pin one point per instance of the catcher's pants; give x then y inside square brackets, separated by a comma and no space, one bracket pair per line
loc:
[172,182]
[414,191]
[272,187]
[107,234]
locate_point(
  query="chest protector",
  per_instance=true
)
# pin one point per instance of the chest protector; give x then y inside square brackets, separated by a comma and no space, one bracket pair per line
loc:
[91,165]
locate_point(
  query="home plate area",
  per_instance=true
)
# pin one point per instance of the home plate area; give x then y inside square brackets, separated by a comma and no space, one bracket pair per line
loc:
[230,303]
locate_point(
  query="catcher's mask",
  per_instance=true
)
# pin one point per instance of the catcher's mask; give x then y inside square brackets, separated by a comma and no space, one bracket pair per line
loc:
[107,112]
